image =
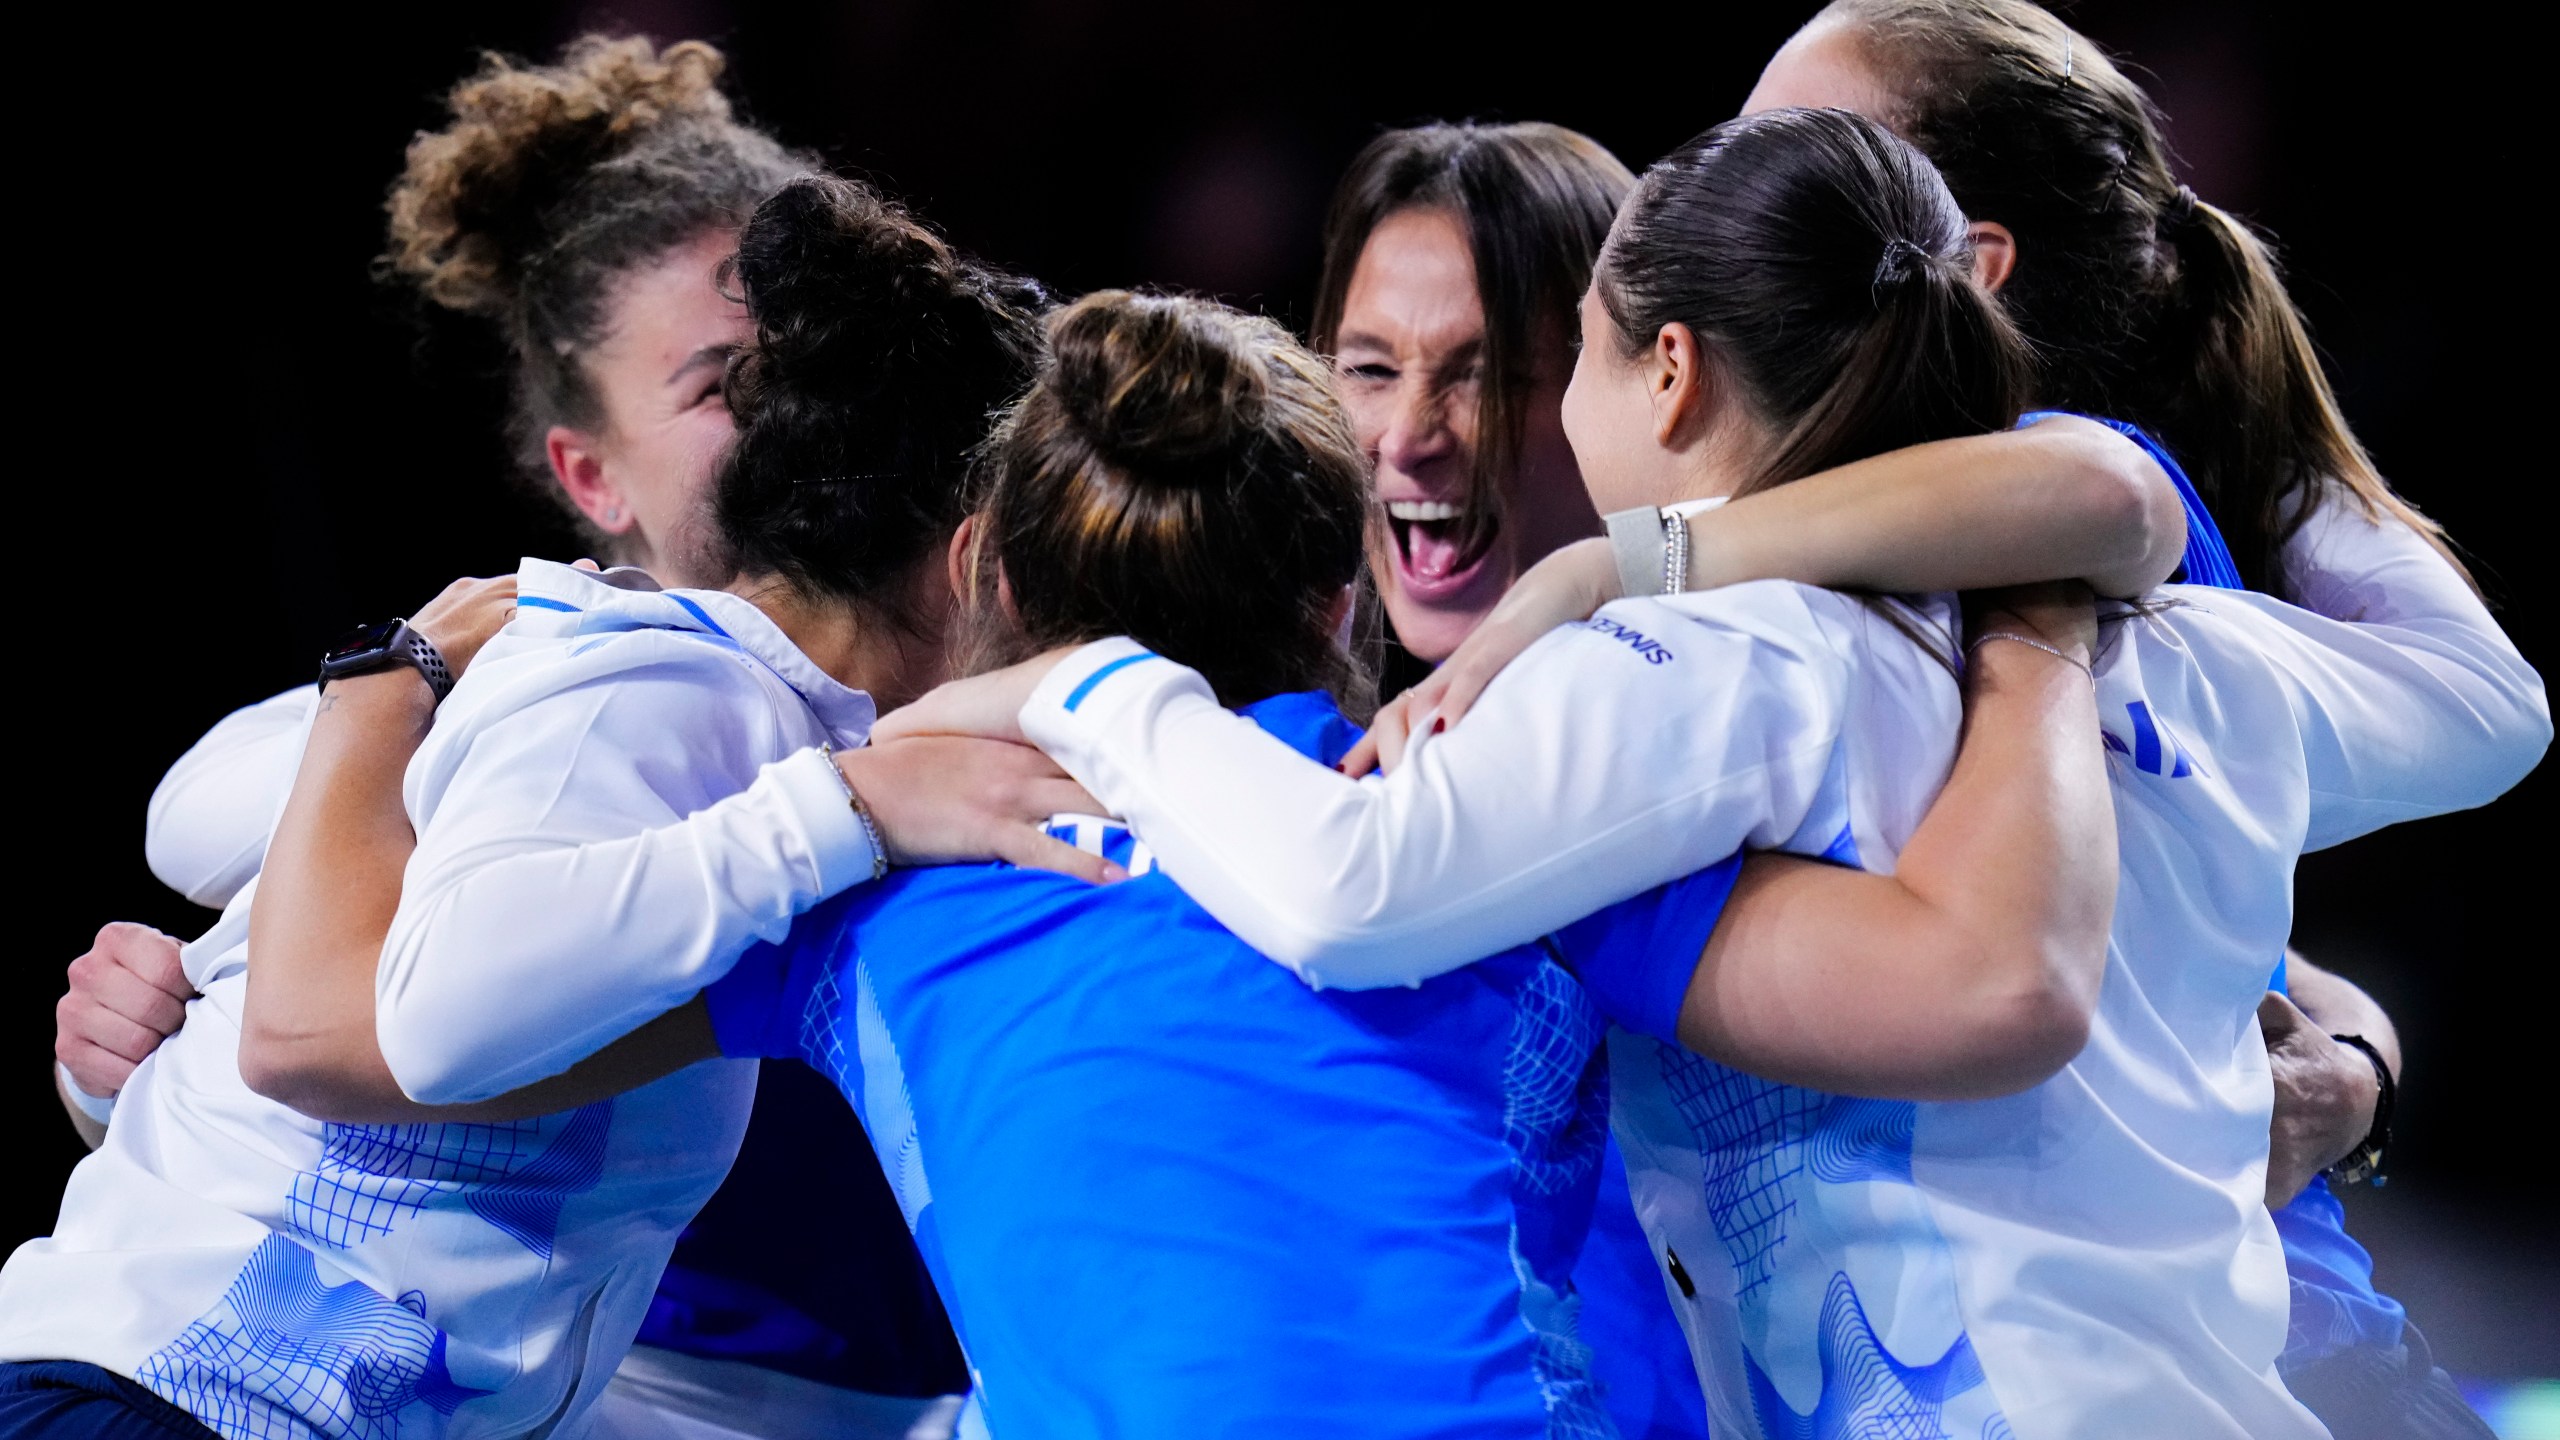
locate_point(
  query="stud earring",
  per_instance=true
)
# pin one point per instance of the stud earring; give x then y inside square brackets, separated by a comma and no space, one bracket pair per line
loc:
[613,515]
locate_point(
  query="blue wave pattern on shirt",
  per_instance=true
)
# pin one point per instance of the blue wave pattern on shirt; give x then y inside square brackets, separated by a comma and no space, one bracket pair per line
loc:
[1750,1136]
[1760,1142]
[514,1175]
[1555,1084]
[1555,1122]
[285,1355]
[1867,1392]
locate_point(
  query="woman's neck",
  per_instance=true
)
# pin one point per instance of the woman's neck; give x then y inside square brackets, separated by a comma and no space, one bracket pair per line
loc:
[1728,454]
[864,647]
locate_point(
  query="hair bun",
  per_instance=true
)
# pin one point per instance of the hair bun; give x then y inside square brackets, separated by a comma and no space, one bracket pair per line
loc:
[1168,391]
[850,293]
[467,214]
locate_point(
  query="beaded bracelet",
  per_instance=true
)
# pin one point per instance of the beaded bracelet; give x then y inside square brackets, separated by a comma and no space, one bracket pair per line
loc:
[861,812]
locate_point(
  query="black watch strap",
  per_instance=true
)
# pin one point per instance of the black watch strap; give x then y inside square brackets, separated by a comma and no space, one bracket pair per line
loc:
[385,644]
[429,661]
[2365,1161]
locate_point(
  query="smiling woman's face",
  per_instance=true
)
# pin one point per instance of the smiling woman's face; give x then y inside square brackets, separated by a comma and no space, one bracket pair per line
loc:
[1410,351]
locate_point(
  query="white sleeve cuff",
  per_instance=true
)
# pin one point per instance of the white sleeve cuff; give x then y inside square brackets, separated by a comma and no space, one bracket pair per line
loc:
[811,788]
[102,1110]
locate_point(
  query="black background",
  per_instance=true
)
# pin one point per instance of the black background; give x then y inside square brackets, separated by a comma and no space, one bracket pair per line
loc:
[233,444]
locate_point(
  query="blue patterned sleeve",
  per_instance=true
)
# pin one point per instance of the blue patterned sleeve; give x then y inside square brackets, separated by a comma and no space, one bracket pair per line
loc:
[1636,957]
[756,1007]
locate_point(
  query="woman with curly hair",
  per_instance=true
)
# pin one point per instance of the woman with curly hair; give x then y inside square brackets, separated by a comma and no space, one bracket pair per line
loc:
[582,209]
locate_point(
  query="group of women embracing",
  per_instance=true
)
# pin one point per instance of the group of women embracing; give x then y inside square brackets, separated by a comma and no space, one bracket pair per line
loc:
[1808,960]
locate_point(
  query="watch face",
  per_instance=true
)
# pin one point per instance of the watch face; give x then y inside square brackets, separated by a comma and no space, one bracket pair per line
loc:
[364,643]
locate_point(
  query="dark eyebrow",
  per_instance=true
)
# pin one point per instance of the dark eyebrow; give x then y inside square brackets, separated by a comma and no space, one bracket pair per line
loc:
[708,355]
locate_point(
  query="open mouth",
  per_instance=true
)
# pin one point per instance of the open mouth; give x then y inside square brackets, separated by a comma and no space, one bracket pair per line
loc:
[1440,546]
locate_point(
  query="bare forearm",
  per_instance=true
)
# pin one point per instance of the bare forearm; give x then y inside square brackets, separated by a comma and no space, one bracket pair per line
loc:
[326,898]
[1973,969]
[659,1048]
[2064,499]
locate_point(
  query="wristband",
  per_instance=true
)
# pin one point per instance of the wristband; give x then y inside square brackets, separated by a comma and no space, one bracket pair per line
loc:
[2365,1161]
[1636,543]
[1650,544]
[100,1108]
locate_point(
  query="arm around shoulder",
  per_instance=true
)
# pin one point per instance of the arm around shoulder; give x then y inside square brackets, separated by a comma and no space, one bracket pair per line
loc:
[206,831]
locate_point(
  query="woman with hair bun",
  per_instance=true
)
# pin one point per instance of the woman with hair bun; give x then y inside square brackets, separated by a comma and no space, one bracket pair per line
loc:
[581,209]
[1897,1166]
[336,1201]
[1164,1186]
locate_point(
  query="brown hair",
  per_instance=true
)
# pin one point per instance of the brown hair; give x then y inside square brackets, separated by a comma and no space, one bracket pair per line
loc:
[550,183]
[1536,201]
[2144,303]
[881,355]
[1822,265]
[1184,475]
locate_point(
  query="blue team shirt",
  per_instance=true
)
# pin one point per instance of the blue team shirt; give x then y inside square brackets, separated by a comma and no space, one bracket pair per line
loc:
[1168,1189]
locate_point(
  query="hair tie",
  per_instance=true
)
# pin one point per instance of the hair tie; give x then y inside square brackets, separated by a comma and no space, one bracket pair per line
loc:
[2179,212]
[1901,259]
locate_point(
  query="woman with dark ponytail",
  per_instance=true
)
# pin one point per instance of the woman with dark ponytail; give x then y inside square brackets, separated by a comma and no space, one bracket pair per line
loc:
[2151,305]
[360,1193]
[1966,1152]
[1163,1185]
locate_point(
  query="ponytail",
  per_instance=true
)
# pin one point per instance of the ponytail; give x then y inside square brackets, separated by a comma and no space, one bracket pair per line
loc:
[1824,263]
[2142,303]
[2256,404]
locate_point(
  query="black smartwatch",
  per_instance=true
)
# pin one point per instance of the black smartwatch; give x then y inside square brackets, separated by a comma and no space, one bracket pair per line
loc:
[2365,1161]
[380,646]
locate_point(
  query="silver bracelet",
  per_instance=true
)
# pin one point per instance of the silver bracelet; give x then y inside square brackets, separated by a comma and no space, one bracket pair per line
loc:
[861,812]
[1987,636]
[1675,552]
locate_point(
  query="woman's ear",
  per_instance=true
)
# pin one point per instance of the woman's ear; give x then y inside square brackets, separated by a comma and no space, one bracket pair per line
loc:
[1677,376]
[580,470]
[1995,253]
[963,559]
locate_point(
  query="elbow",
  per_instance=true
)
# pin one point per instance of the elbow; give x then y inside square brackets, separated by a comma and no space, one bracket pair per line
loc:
[2018,1035]
[2130,505]
[294,1074]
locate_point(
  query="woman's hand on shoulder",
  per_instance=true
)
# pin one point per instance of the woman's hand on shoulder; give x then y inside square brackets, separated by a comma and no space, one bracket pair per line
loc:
[461,619]
[1566,586]
[954,799]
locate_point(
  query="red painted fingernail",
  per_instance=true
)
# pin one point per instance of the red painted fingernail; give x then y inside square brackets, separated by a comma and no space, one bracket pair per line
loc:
[1438,725]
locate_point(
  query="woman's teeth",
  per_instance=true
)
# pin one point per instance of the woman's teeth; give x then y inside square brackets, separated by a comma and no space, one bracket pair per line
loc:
[1423,511]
